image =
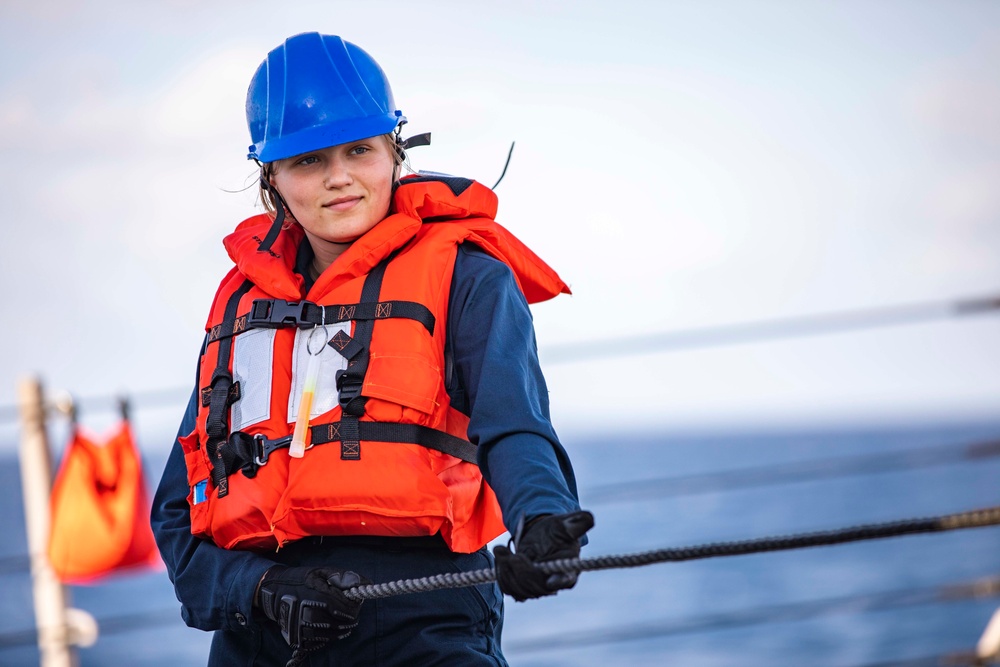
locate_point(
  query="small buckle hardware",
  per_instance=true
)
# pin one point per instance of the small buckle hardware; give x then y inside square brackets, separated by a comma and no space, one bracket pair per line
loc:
[265,447]
[277,313]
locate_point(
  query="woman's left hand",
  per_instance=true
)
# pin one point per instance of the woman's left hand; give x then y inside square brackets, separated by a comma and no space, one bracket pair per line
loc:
[547,538]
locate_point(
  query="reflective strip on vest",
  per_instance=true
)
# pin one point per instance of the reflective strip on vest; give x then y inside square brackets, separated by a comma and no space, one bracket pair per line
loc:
[253,356]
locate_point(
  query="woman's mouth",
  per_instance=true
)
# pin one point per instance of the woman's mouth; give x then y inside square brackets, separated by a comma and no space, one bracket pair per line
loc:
[342,203]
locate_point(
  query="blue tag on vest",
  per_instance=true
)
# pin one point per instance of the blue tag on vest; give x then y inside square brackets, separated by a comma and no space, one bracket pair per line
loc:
[199,491]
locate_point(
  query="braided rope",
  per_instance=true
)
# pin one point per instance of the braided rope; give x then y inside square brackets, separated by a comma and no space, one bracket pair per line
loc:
[973,519]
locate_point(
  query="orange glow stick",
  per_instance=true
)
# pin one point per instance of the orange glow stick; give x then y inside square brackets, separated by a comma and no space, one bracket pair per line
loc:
[298,447]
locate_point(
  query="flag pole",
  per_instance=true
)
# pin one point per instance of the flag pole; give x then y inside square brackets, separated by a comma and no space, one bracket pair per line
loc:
[50,596]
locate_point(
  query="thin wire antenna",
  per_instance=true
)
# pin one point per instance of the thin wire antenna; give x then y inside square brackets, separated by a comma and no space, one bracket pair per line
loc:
[505,164]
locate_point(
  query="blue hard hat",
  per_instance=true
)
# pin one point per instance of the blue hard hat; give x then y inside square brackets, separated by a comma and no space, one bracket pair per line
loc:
[316,91]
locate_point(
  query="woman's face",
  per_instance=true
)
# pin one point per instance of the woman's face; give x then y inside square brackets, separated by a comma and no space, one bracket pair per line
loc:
[338,193]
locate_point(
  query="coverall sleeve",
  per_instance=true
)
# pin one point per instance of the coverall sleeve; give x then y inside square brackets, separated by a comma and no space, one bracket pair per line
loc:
[215,586]
[502,390]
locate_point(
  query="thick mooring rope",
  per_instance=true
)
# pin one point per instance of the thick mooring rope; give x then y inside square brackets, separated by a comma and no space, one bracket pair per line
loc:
[973,519]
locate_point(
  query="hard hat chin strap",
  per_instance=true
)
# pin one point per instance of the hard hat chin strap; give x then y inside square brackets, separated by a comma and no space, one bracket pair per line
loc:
[416,140]
[402,145]
[279,217]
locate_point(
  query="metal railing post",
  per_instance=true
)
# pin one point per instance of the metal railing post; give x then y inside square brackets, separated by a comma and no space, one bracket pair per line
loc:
[50,596]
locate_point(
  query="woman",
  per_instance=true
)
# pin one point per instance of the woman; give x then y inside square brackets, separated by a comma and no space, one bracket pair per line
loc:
[369,404]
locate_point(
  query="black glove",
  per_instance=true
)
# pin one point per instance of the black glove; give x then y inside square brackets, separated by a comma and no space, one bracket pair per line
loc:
[547,538]
[308,603]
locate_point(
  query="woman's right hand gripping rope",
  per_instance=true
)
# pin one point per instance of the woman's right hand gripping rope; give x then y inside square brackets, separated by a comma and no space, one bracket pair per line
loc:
[309,605]
[549,537]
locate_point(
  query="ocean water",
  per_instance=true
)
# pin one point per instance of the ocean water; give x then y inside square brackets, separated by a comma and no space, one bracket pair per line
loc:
[867,603]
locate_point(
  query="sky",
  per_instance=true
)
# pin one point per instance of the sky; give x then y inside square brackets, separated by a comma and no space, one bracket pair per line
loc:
[683,165]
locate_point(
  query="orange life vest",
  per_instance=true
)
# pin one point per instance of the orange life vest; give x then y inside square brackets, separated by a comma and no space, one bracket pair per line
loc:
[389,456]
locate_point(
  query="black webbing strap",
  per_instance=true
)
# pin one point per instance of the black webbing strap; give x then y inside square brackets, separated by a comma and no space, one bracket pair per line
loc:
[399,433]
[220,397]
[240,452]
[345,345]
[350,379]
[234,395]
[276,313]
[254,451]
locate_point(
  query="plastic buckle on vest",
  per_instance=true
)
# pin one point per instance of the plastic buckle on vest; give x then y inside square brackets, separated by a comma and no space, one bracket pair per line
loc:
[265,447]
[348,386]
[276,313]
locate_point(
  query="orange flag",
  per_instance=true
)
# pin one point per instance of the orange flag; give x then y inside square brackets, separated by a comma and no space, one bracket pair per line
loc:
[100,509]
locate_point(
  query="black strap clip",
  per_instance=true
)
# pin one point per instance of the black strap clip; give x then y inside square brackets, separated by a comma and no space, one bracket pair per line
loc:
[349,385]
[277,313]
[264,447]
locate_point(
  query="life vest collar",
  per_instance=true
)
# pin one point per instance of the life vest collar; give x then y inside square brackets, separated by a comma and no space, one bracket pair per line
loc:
[273,269]
[418,199]
[440,197]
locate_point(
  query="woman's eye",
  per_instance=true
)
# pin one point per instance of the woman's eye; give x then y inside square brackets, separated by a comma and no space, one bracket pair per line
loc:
[359,150]
[310,159]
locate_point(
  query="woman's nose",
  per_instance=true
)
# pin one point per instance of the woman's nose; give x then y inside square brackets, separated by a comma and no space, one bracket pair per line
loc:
[337,175]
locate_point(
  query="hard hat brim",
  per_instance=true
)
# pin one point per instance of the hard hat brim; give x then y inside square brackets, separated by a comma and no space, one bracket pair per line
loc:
[324,136]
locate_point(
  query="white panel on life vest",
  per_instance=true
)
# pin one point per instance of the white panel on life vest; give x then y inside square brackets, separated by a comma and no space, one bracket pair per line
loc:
[326,397]
[253,353]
